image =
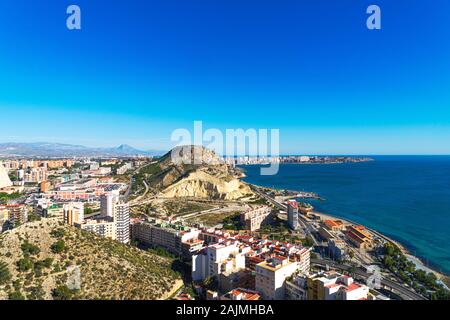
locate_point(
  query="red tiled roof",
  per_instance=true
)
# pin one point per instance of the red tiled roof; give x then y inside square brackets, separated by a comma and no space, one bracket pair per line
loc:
[246,294]
[352,287]
[293,204]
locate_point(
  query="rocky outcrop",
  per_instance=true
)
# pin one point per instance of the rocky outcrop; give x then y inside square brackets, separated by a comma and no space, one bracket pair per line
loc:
[182,177]
[4,178]
[200,184]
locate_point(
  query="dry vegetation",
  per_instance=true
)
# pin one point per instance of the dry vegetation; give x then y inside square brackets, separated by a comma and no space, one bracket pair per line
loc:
[182,207]
[38,254]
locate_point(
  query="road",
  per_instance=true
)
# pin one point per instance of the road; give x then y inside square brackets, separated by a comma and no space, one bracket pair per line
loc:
[305,225]
[269,199]
[198,213]
[127,193]
[397,288]
[136,201]
[403,291]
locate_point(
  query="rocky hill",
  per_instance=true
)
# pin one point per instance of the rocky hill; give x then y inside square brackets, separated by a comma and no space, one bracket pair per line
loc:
[181,177]
[39,260]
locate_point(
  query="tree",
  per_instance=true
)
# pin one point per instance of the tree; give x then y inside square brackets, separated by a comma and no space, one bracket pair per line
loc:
[388,261]
[58,246]
[352,269]
[47,262]
[62,293]
[16,295]
[36,293]
[307,242]
[58,233]
[29,249]
[24,264]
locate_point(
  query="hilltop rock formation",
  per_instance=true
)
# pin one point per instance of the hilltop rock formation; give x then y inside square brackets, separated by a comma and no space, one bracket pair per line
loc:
[4,178]
[181,177]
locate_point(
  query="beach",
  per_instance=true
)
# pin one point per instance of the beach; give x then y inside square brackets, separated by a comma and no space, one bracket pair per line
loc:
[403,198]
[417,261]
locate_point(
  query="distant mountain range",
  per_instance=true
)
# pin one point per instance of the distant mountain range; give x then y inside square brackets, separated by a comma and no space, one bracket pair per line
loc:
[45,149]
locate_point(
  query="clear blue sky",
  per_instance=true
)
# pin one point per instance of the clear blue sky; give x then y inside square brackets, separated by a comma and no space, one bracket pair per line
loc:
[139,69]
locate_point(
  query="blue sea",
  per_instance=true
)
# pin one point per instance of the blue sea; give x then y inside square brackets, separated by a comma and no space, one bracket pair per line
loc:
[405,197]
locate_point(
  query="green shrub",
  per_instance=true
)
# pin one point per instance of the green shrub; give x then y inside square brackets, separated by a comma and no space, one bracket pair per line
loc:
[5,275]
[29,248]
[24,264]
[16,295]
[62,293]
[58,246]
[58,233]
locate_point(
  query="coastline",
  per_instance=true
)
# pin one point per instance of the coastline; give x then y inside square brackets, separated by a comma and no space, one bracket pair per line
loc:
[420,264]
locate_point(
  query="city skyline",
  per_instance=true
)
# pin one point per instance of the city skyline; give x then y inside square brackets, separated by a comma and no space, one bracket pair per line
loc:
[313,71]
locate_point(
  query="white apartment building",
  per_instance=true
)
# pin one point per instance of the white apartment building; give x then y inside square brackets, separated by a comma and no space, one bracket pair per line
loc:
[271,277]
[344,288]
[303,257]
[94,166]
[103,228]
[35,175]
[114,222]
[217,259]
[122,220]
[107,202]
[292,207]
[123,169]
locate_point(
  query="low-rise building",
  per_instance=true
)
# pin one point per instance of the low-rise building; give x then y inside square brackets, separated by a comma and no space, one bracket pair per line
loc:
[46,208]
[217,259]
[335,286]
[102,227]
[325,234]
[241,294]
[244,278]
[305,208]
[333,225]
[123,169]
[359,237]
